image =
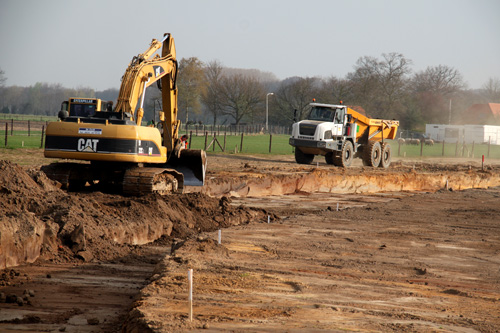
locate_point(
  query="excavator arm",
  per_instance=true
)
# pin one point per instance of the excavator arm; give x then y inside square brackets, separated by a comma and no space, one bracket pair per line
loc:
[144,70]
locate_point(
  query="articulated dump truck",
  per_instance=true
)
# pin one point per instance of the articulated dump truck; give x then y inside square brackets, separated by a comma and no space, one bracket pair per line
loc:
[339,133]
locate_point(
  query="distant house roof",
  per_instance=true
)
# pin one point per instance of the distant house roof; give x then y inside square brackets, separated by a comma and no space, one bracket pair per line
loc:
[482,114]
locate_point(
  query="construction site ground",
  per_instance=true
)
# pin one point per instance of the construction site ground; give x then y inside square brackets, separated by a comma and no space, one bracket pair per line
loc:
[415,248]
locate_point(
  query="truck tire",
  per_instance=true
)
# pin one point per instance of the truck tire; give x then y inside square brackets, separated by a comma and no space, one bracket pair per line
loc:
[330,158]
[344,159]
[372,154]
[385,160]
[302,158]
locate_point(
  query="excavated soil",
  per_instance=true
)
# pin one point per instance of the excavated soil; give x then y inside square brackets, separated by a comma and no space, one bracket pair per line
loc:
[303,248]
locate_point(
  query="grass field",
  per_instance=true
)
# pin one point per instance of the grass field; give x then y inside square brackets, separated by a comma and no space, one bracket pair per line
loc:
[260,144]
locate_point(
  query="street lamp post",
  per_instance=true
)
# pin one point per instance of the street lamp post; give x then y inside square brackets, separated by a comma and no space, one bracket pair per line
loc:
[267,108]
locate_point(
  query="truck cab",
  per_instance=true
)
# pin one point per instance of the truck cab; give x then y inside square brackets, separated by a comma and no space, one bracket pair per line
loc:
[324,130]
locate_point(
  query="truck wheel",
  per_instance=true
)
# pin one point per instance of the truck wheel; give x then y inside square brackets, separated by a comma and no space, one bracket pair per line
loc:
[330,158]
[347,154]
[302,158]
[372,154]
[385,160]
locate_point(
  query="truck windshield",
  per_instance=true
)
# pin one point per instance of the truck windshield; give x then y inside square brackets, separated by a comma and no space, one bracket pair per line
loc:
[321,114]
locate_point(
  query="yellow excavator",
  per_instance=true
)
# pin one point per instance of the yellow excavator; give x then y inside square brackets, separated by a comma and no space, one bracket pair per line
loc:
[112,146]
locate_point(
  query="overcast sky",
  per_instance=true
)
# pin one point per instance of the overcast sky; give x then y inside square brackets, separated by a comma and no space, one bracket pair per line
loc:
[89,43]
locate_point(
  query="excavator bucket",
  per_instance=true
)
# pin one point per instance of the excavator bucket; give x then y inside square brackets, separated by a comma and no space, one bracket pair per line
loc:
[192,163]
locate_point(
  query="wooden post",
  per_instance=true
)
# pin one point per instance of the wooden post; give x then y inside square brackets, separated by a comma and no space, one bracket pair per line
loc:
[456,148]
[206,138]
[399,148]
[6,133]
[190,138]
[214,139]
[270,142]
[421,147]
[224,149]
[241,144]
[12,126]
[43,135]
[442,153]
[29,128]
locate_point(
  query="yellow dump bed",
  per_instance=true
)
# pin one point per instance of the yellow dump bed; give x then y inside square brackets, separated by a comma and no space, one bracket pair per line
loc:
[378,129]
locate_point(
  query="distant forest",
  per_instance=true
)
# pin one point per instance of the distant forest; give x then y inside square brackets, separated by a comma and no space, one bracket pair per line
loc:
[209,93]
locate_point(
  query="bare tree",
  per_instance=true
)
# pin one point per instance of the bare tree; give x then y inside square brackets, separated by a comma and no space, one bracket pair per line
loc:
[492,90]
[441,80]
[241,95]
[334,90]
[212,95]
[295,94]
[433,88]
[380,86]
[191,83]
[2,78]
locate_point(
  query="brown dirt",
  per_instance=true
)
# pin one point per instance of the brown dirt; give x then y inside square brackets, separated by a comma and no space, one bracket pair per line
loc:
[391,258]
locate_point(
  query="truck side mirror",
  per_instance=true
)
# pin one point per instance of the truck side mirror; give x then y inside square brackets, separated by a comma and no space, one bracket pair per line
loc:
[349,118]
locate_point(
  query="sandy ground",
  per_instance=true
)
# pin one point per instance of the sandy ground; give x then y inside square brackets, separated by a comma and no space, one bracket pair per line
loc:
[376,250]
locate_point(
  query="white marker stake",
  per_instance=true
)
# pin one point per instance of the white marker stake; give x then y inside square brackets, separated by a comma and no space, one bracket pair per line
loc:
[337,206]
[447,184]
[220,236]
[190,297]
[268,218]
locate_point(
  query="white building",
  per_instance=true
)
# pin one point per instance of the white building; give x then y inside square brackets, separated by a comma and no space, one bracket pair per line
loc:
[464,133]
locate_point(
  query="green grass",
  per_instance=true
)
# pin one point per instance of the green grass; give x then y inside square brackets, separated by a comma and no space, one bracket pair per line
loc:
[252,144]
[25,117]
[450,150]
[20,139]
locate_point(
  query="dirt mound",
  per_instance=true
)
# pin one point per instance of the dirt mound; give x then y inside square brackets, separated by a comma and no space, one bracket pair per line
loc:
[40,220]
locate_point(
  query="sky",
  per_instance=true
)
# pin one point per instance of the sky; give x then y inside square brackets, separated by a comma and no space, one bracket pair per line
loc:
[89,43]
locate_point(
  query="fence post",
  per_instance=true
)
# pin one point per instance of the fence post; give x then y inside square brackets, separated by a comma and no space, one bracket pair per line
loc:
[442,153]
[190,138]
[241,144]
[421,147]
[489,143]
[12,126]
[215,138]
[270,142]
[399,148]
[43,134]
[224,149]
[6,132]
[206,138]
[456,148]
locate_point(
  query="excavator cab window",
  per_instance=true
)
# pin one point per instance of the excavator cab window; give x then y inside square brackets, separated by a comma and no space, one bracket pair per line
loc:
[82,110]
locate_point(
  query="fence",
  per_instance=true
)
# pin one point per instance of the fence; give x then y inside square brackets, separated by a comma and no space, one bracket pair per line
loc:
[23,133]
[200,130]
[429,148]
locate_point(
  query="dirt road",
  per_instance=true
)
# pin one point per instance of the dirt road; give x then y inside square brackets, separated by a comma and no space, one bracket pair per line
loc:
[348,258]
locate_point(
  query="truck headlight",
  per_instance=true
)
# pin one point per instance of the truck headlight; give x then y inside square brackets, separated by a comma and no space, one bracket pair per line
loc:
[328,135]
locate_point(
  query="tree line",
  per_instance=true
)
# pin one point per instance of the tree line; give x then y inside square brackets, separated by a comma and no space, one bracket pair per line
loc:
[210,93]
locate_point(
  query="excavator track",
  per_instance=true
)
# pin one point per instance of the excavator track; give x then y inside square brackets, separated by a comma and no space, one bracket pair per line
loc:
[131,181]
[145,180]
